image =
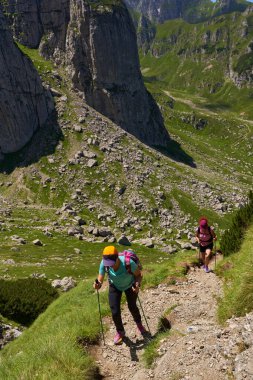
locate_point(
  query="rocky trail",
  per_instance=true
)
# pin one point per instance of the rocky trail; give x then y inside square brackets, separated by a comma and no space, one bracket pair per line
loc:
[197,348]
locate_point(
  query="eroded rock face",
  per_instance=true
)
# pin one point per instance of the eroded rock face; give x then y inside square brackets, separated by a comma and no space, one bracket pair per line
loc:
[24,103]
[97,44]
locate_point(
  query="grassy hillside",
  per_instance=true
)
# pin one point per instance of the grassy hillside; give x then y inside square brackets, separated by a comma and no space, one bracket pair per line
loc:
[205,59]
[237,272]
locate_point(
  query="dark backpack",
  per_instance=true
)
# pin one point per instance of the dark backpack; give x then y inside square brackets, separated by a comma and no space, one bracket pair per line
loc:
[130,255]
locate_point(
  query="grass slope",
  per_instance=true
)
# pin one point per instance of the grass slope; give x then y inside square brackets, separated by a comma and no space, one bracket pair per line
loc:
[237,273]
[188,57]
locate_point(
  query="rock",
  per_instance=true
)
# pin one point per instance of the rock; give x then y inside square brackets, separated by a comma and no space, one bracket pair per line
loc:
[104,232]
[123,240]
[12,334]
[18,239]
[37,242]
[92,163]
[88,154]
[78,251]
[169,249]
[81,120]
[8,262]
[65,284]
[78,128]
[24,104]
[72,231]
[147,242]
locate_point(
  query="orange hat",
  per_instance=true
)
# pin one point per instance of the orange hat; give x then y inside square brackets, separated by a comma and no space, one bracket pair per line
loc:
[110,255]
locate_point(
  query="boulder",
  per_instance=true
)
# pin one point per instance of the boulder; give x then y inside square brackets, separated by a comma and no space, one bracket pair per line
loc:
[123,240]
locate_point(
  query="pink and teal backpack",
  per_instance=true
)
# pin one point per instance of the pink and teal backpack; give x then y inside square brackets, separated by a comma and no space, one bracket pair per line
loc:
[128,255]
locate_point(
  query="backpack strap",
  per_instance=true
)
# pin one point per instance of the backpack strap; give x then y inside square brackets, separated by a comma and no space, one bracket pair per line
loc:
[127,257]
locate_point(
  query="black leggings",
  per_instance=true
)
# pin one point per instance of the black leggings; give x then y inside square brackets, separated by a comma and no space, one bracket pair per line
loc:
[114,302]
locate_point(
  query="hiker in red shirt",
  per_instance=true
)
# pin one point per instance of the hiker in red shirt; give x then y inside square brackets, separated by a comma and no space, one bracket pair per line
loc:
[205,236]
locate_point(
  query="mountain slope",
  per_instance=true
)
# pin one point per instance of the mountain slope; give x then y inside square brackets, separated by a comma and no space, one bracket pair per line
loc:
[212,59]
[191,11]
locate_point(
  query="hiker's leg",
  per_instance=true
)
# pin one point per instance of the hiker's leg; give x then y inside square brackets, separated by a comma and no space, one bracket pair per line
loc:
[208,256]
[114,302]
[203,257]
[132,306]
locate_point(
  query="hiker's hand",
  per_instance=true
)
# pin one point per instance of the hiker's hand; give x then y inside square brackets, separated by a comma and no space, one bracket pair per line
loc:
[136,287]
[97,284]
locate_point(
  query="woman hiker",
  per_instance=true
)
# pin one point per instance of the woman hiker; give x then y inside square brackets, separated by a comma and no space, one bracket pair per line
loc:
[205,236]
[120,280]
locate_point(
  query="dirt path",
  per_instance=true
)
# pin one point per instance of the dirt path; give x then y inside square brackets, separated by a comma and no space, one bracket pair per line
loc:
[196,346]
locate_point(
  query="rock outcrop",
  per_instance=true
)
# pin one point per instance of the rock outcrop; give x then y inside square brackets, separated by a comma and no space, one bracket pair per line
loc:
[97,44]
[24,104]
[162,10]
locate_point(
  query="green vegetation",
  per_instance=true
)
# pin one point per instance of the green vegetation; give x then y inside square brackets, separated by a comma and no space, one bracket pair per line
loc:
[187,56]
[151,351]
[237,272]
[54,346]
[24,300]
[39,62]
[245,62]
[233,237]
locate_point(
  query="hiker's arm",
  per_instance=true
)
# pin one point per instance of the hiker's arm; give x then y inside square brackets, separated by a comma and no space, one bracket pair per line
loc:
[213,234]
[98,282]
[137,280]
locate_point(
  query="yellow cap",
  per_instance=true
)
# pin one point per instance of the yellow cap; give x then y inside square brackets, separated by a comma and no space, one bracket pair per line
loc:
[110,250]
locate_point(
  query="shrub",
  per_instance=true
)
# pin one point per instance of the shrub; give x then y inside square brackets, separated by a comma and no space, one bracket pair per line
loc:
[232,238]
[24,299]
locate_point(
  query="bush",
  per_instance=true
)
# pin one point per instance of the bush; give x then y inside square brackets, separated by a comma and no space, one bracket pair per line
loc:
[232,238]
[23,300]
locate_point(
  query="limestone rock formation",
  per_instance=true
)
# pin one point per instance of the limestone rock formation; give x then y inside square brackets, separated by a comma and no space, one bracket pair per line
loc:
[97,44]
[24,104]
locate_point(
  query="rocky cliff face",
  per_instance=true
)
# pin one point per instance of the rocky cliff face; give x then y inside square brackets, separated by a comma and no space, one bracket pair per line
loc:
[24,104]
[97,44]
[162,10]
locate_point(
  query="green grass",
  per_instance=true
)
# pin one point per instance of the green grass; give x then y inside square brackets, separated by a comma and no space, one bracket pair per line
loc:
[237,273]
[183,60]
[49,349]
[39,62]
[151,351]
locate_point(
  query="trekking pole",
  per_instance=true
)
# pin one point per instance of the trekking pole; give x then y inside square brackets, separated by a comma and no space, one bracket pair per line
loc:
[100,315]
[215,255]
[143,313]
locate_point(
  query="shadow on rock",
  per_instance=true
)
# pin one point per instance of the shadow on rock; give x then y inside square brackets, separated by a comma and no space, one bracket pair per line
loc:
[176,153]
[43,143]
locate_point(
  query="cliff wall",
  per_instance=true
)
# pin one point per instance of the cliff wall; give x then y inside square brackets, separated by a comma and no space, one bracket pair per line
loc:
[24,104]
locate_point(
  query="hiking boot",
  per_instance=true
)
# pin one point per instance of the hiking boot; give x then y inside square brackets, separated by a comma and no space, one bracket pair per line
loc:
[119,337]
[207,270]
[141,328]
